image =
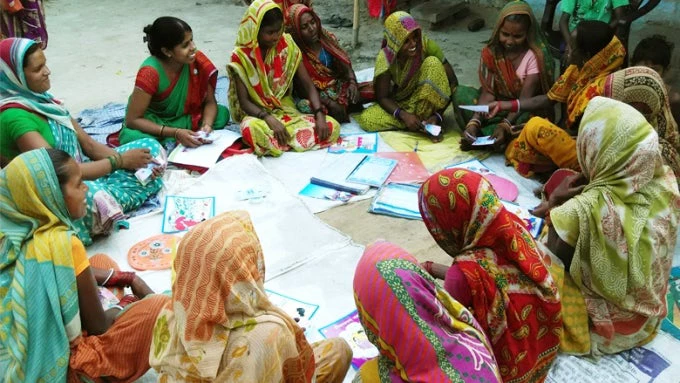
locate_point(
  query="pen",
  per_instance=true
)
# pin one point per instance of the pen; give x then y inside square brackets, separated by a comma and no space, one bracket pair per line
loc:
[415,149]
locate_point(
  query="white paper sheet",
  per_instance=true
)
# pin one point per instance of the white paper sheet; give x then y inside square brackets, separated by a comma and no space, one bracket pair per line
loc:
[205,155]
[476,108]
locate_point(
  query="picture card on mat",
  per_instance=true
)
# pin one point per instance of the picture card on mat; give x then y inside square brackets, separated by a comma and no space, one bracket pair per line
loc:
[350,329]
[181,213]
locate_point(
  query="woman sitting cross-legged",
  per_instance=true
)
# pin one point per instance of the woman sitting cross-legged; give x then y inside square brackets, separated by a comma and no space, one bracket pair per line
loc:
[32,118]
[413,81]
[264,65]
[498,272]
[422,333]
[328,65]
[174,94]
[614,225]
[220,325]
[52,323]
[515,63]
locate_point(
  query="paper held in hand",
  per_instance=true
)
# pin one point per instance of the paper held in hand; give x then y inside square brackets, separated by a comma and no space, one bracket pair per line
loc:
[206,155]
[476,108]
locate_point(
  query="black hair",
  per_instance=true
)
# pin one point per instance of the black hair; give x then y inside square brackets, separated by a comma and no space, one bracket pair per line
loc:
[592,36]
[32,49]
[656,49]
[60,161]
[520,18]
[272,17]
[166,32]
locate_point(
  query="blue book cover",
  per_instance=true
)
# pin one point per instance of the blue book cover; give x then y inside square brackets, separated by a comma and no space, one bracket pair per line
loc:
[373,171]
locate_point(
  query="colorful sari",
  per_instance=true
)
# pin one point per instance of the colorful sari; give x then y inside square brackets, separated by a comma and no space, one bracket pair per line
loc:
[514,297]
[498,76]
[220,324]
[543,145]
[28,23]
[643,89]
[269,82]
[622,226]
[176,103]
[40,336]
[330,79]
[109,197]
[422,333]
[420,85]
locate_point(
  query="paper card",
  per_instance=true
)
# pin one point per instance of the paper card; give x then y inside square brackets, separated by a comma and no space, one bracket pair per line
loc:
[476,108]
[295,308]
[355,143]
[372,171]
[322,192]
[181,213]
[433,129]
[206,155]
[533,224]
[483,141]
[350,329]
[106,298]
[473,165]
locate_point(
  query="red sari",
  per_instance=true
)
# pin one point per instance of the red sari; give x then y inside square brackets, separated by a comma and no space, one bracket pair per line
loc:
[514,297]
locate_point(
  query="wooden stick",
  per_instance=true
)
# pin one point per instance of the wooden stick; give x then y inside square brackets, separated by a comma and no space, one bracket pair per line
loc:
[355,25]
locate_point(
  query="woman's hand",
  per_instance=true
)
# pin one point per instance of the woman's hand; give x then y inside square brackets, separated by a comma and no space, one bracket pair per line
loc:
[412,122]
[502,134]
[280,132]
[188,138]
[568,188]
[140,288]
[472,130]
[353,92]
[321,128]
[134,159]
[207,128]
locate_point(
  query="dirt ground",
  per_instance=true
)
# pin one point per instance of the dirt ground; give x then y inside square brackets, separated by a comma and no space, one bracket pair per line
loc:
[95,49]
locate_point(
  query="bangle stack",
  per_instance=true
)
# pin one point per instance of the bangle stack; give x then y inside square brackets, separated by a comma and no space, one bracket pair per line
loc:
[262,114]
[474,121]
[317,110]
[515,106]
[116,161]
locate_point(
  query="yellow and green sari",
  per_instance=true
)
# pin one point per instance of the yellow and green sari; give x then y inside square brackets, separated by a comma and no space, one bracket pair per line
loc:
[269,82]
[420,85]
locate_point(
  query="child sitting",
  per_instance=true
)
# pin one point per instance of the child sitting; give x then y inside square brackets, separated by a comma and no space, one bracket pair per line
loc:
[655,52]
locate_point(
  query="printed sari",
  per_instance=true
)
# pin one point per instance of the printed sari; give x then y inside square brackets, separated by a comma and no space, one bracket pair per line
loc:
[513,296]
[270,83]
[109,197]
[220,324]
[420,85]
[422,333]
[331,70]
[41,337]
[622,226]
[29,22]
[542,145]
[497,74]
[176,103]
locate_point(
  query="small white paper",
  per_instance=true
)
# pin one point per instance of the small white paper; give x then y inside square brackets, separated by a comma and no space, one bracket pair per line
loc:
[433,129]
[476,108]
[483,141]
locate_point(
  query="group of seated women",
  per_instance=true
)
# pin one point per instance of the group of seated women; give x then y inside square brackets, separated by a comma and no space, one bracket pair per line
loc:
[594,284]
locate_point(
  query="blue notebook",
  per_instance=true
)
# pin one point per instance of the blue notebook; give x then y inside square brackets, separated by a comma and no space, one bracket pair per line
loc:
[373,171]
[397,200]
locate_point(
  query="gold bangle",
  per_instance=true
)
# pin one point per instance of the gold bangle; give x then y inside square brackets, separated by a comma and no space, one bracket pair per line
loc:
[175,135]
[162,127]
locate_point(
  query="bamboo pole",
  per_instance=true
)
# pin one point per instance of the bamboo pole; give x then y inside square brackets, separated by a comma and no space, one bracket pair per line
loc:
[355,25]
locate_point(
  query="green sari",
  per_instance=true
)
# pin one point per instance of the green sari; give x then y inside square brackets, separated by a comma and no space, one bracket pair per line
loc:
[36,272]
[178,103]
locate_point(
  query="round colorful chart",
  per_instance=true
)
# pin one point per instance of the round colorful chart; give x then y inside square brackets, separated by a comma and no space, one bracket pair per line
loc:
[155,253]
